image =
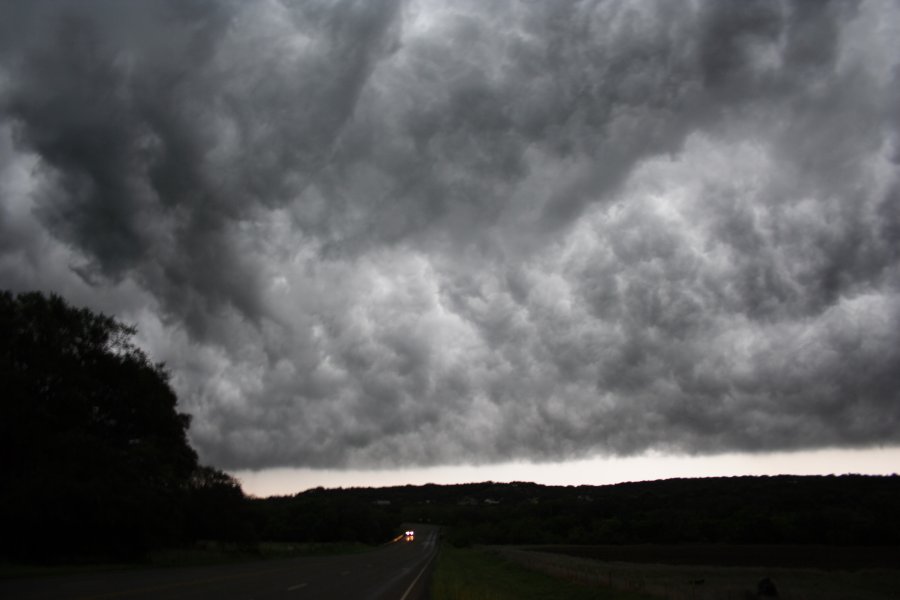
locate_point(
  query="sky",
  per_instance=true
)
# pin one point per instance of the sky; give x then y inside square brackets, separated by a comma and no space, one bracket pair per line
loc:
[382,241]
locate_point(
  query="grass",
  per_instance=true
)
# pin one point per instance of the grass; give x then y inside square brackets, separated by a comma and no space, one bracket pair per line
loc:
[199,554]
[214,553]
[20,571]
[472,574]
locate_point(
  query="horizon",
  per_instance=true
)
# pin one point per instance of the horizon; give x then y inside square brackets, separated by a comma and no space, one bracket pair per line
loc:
[876,462]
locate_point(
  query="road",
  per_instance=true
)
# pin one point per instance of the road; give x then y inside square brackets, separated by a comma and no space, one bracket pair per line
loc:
[396,571]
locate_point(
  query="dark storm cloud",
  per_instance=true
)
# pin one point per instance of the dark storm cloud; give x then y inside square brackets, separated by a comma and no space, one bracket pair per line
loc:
[384,233]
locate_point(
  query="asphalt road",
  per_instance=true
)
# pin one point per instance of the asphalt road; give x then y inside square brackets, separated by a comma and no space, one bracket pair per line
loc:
[396,571]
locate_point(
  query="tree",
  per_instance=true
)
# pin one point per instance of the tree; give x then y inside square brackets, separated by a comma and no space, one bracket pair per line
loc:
[94,453]
[217,508]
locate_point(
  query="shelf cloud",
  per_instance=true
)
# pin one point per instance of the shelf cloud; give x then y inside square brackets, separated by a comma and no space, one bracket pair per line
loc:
[375,233]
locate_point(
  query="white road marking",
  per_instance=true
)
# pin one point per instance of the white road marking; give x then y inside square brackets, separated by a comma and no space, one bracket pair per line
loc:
[416,580]
[294,588]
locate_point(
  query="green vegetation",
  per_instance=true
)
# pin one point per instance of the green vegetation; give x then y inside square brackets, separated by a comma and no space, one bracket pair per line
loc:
[318,516]
[464,574]
[831,510]
[847,510]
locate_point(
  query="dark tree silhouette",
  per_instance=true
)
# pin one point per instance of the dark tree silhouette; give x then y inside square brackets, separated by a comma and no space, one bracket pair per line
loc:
[95,456]
[217,508]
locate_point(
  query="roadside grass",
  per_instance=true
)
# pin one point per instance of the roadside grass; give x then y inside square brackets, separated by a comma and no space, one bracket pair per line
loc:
[215,553]
[473,574]
[19,571]
[199,554]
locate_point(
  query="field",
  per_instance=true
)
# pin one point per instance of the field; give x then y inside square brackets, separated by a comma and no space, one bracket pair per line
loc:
[713,572]
[841,558]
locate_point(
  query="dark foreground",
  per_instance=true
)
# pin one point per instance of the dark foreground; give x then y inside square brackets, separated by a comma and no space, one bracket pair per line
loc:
[719,571]
[397,571]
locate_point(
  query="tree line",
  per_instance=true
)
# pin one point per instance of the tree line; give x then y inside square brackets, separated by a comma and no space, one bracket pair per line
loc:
[830,510]
[95,456]
[784,509]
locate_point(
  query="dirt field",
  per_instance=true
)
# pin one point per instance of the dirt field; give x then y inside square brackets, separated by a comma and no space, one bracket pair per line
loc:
[844,558]
[716,573]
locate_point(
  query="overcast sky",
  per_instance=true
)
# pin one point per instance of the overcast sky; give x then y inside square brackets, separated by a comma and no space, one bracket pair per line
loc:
[382,234]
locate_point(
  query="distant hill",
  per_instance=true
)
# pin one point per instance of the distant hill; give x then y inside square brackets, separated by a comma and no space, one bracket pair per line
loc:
[834,510]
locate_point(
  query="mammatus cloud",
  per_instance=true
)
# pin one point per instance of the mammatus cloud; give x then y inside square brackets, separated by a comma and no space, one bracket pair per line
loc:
[378,233]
